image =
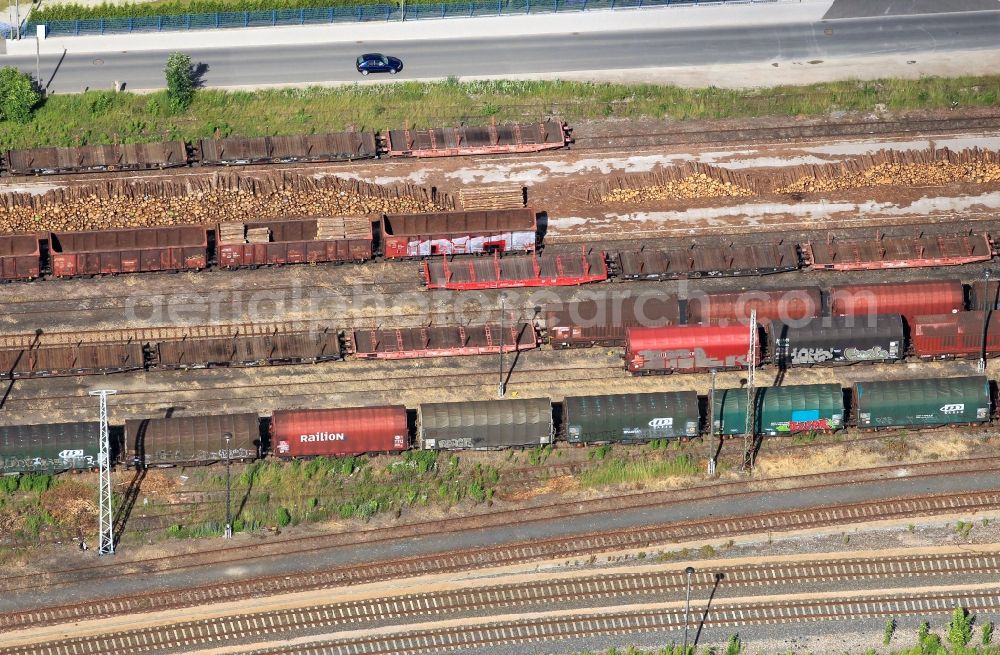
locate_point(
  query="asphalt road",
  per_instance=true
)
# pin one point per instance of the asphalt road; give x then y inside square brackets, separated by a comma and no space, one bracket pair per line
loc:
[634,50]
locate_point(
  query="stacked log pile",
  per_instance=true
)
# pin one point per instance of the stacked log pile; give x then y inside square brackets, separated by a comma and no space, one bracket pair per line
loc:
[492,197]
[222,197]
[340,227]
[910,168]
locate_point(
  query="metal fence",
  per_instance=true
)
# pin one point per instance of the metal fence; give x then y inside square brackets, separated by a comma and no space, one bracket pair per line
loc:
[365,13]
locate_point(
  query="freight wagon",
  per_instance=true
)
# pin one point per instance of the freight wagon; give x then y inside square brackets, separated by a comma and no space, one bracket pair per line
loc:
[141,250]
[248,348]
[922,403]
[718,260]
[956,336]
[688,348]
[488,140]
[336,146]
[605,321]
[906,298]
[294,241]
[99,158]
[193,440]
[485,425]
[780,411]
[20,257]
[443,341]
[458,233]
[50,448]
[631,418]
[336,432]
[792,304]
[837,340]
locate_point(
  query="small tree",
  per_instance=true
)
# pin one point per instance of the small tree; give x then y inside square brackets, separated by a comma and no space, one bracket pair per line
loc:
[960,628]
[18,95]
[180,81]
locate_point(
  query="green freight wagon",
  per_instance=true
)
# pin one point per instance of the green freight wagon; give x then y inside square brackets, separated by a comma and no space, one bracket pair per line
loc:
[781,410]
[922,403]
[631,417]
[49,448]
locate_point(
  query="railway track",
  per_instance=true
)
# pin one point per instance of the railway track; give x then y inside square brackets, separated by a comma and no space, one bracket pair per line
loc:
[541,596]
[644,537]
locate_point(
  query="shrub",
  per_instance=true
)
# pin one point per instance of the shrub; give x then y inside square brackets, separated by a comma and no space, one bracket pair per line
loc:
[960,628]
[18,95]
[283,517]
[890,628]
[180,81]
[987,633]
[734,646]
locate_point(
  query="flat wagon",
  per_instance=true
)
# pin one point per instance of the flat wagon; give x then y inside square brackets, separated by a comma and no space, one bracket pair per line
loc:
[86,159]
[922,403]
[141,250]
[20,257]
[249,347]
[548,270]
[605,321]
[443,341]
[780,411]
[487,140]
[50,448]
[485,425]
[793,304]
[336,432]
[335,146]
[294,241]
[192,440]
[631,418]
[708,260]
[897,252]
[458,233]
[906,298]
[956,336]
[688,348]
[837,340]
[70,359]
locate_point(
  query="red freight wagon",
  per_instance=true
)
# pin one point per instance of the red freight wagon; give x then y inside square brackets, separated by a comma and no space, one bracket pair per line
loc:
[907,298]
[183,247]
[688,348]
[343,431]
[949,336]
[294,241]
[792,304]
[20,257]
[457,233]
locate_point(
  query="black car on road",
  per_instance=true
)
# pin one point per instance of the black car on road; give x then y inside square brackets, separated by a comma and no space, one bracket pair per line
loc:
[378,63]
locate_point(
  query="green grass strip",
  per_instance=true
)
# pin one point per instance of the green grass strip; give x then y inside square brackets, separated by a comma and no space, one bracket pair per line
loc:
[105,117]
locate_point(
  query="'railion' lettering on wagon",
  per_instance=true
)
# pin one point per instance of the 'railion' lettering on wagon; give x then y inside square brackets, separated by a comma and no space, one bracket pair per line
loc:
[322,436]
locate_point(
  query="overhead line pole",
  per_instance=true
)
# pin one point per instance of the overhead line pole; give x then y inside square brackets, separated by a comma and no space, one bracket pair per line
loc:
[749,434]
[106,523]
